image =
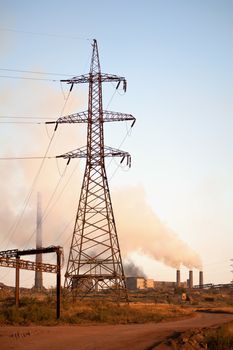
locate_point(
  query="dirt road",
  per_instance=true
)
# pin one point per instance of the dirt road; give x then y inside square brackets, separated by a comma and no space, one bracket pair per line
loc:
[104,337]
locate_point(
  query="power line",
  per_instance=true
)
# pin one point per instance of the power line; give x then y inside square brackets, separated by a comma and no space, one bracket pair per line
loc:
[96,233]
[45,156]
[64,187]
[70,177]
[21,158]
[14,226]
[45,34]
[24,117]
[20,122]
[46,211]
[57,199]
[27,78]
[35,72]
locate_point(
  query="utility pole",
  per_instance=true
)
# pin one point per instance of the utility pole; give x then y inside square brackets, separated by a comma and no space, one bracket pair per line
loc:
[231,270]
[95,265]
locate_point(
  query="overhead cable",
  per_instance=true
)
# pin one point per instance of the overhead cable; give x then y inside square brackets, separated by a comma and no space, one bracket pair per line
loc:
[44,34]
[27,78]
[35,72]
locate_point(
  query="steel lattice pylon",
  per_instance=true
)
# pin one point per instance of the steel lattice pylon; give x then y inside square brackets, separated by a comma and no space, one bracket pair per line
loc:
[95,265]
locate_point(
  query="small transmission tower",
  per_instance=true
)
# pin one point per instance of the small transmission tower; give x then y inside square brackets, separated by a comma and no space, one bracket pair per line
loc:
[94,265]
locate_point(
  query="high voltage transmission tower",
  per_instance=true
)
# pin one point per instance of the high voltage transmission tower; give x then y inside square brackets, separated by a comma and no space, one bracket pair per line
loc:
[95,265]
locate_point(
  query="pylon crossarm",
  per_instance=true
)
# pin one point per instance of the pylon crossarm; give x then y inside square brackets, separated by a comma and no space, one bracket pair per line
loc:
[108,152]
[110,116]
[78,153]
[79,79]
[114,78]
[111,152]
[90,77]
[114,152]
[82,117]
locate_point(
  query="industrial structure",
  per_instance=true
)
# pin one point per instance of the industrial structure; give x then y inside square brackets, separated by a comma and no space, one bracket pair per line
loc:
[94,264]
[190,279]
[134,283]
[201,279]
[38,273]
[143,283]
[178,278]
[12,258]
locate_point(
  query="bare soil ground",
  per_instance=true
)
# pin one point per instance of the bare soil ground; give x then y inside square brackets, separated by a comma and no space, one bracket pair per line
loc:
[104,337]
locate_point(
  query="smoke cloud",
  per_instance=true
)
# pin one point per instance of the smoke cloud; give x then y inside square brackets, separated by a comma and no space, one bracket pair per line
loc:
[141,230]
[17,176]
[131,270]
[138,226]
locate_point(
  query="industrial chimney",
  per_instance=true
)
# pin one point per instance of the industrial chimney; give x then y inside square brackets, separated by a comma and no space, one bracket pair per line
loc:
[38,274]
[190,279]
[178,278]
[201,280]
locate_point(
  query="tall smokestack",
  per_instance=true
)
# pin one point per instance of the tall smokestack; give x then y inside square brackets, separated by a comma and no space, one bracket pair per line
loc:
[38,274]
[178,278]
[190,279]
[201,280]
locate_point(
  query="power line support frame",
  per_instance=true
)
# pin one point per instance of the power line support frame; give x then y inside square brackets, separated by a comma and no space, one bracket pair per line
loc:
[94,265]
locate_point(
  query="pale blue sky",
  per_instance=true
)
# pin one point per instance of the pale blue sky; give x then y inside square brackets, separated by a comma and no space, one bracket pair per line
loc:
[177,57]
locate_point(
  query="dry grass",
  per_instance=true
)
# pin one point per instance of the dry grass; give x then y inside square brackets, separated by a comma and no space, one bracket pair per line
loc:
[34,311]
[153,306]
[220,339]
[103,312]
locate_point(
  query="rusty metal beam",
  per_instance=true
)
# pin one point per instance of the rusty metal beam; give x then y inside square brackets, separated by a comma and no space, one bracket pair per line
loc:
[58,283]
[13,253]
[17,267]
[52,249]
[11,258]
[27,265]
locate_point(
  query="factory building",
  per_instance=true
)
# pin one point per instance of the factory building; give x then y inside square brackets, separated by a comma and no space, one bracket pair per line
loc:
[142,283]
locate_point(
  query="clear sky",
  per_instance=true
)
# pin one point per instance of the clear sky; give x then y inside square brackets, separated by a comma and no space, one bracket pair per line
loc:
[177,57]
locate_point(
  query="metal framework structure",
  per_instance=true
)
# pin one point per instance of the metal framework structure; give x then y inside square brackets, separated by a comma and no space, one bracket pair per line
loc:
[95,265]
[11,258]
[27,265]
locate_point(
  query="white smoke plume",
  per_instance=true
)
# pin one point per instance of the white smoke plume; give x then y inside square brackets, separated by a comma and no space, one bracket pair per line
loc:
[17,176]
[138,226]
[141,230]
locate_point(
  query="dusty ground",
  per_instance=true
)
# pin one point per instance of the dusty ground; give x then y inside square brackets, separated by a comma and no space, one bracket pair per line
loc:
[104,337]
